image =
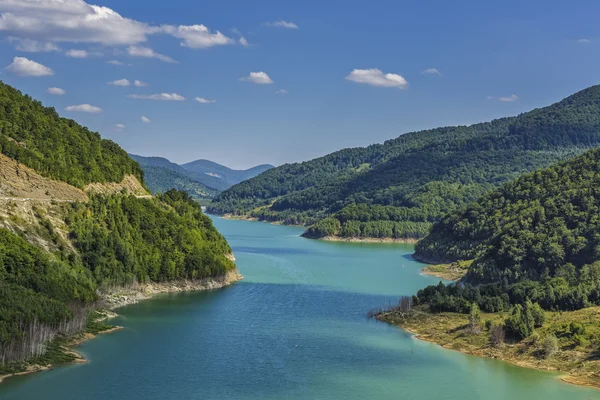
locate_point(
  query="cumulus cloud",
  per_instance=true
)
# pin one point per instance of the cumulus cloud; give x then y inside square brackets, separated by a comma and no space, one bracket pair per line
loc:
[119,127]
[120,82]
[282,24]
[22,66]
[57,91]
[86,108]
[260,78]
[431,71]
[32,46]
[584,41]
[376,77]
[202,100]
[139,83]
[158,96]
[147,52]
[70,21]
[281,91]
[77,53]
[505,99]
[197,36]
[146,120]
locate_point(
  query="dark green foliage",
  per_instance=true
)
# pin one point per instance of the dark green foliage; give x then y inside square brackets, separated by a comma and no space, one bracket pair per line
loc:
[520,323]
[122,239]
[34,288]
[423,174]
[56,147]
[544,224]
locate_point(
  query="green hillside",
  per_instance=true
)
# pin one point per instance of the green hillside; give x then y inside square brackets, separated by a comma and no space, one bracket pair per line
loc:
[534,240]
[56,257]
[56,147]
[404,185]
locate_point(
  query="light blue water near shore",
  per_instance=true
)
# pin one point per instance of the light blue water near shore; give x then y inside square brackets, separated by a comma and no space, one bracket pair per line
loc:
[295,328]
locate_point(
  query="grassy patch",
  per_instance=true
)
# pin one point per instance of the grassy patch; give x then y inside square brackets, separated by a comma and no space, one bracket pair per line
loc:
[578,334]
[449,272]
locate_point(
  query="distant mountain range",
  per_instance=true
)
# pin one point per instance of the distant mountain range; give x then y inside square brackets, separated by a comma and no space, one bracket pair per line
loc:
[202,179]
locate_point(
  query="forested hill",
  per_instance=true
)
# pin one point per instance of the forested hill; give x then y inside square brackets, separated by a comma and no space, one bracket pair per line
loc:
[543,224]
[161,175]
[62,249]
[202,179]
[399,188]
[56,147]
[534,242]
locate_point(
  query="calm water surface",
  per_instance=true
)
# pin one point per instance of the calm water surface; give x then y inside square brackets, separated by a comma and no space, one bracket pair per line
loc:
[295,328]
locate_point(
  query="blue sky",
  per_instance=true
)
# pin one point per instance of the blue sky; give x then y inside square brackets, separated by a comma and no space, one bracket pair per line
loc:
[532,54]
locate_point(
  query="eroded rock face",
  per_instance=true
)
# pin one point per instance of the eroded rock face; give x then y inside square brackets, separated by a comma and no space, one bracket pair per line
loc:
[130,183]
[124,296]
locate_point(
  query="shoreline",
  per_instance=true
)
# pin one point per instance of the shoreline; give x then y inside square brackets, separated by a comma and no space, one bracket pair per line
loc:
[421,332]
[122,298]
[365,240]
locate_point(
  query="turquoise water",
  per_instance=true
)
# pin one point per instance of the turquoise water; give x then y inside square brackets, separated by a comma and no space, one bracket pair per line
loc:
[295,328]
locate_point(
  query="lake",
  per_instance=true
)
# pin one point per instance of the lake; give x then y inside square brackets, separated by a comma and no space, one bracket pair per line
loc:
[294,328]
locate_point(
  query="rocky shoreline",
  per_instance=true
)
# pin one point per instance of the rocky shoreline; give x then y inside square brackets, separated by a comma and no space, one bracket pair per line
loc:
[127,296]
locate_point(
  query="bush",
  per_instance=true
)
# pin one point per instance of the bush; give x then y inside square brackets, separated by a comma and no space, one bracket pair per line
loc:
[539,316]
[549,345]
[520,322]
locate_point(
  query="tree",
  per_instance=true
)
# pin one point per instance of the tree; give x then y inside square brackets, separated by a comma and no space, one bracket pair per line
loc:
[475,319]
[549,345]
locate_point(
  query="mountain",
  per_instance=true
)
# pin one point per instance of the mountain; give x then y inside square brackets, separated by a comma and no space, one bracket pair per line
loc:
[219,176]
[161,175]
[76,224]
[202,179]
[398,189]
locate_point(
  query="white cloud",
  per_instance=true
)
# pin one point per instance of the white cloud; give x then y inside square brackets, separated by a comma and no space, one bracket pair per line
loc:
[584,41]
[119,127]
[202,100]
[282,24]
[86,108]
[505,99]
[281,91]
[431,71]
[33,46]
[197,36]
[70,21]
[260,78]
[139,83]
[119,63]
[57,91]
[24,67]
[77,53]
[146,120]
[120,82]
[244,42]
[158,96]
[375,77]
[147,52]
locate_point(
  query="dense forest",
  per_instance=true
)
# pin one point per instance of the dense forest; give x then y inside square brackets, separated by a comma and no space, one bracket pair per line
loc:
[406,184]
[108,242]
[533,241]
[56,147]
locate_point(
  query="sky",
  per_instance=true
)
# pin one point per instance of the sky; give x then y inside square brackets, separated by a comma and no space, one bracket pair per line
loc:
[251,82]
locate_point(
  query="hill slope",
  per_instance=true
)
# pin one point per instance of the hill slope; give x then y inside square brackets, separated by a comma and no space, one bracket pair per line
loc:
[542,224]
[219,176]
[161,175]
[404,185]
[75,222]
